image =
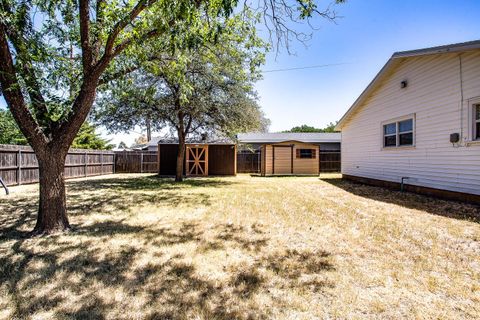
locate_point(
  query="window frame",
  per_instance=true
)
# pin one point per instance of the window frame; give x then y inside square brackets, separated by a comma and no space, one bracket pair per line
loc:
[471,139]
[397,133]
[313,153]
[476,135]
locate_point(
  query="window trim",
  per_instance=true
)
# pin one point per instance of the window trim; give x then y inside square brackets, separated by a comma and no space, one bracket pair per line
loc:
[398,133]
[313,153]
[476,135]
[471,133]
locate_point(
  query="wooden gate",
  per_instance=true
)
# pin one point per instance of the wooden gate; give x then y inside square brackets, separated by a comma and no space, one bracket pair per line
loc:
[197,160]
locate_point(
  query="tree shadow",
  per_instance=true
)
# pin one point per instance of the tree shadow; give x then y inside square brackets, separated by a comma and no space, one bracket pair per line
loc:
[18,214]
[431,205]
[17,217]
[78,276]
[145,183]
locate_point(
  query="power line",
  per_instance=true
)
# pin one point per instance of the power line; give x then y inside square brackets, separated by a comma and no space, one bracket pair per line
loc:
[307,67]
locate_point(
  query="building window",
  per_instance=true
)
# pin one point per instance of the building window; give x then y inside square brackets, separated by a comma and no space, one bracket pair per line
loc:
[306,154]
[476,125]
[390,135]
[398,134]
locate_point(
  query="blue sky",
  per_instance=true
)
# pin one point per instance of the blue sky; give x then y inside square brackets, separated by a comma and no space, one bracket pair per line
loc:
[363,39]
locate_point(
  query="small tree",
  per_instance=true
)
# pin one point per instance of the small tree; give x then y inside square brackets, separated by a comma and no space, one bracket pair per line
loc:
[214,104]
[194,91]
[87,138]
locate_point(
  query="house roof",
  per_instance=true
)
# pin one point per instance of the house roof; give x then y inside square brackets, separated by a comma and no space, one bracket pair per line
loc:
[394,61]
[315,137]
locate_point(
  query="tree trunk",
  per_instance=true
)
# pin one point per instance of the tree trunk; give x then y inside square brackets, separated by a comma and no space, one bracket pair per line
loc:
[52,210]
[149,130]
[180,157]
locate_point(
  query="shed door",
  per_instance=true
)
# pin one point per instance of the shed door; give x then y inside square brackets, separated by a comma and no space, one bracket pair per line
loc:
[197,160]
[282,160]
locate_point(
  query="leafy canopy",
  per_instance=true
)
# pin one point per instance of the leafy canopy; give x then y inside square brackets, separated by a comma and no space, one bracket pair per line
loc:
[206,87]
[306,128]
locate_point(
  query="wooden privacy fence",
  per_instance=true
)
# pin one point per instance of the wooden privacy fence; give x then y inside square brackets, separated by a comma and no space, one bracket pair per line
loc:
[136,162]
[330,161]
[248,161]
[18,164]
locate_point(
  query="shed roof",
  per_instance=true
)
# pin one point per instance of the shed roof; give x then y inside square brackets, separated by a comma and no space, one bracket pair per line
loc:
[196,141]
[395,60]
[307,137]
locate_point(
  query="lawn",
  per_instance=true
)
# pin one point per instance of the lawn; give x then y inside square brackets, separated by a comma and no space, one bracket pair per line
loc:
[240,248]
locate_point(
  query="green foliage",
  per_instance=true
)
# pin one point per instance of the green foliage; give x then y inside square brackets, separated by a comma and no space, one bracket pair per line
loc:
[330,127]
[193,90]
[122,145]
[305,128]
[45,38]
[9,131]
[87,138]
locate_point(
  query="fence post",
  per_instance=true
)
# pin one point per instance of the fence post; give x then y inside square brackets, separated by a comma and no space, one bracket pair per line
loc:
[141,162]
[101,162]
[19,167]
[85,162]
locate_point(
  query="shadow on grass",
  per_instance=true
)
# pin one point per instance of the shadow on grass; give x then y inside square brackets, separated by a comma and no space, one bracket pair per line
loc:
[108,195]
[145,183]
[445,208]
[74,275]
[287,175]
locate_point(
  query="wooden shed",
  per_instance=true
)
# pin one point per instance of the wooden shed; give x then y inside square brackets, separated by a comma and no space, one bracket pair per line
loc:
[295,153]
[290,157]
[201,159]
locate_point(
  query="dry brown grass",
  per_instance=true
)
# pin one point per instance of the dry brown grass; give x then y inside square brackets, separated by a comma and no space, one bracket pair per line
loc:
[240,248]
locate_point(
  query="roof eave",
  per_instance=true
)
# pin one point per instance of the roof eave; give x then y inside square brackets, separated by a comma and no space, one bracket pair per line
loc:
[364,94]
[398,56]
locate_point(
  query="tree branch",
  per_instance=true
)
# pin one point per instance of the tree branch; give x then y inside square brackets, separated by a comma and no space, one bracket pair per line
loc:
[119,26]
[14,97]
[87,52]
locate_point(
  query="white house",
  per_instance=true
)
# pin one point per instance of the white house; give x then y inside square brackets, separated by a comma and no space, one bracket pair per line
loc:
[419,119]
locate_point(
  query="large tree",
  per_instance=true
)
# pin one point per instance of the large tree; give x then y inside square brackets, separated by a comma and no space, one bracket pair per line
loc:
[54,53]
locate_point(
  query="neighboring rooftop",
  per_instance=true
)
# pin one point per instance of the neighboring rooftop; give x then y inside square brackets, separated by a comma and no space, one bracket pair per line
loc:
[196,140]
[314,137]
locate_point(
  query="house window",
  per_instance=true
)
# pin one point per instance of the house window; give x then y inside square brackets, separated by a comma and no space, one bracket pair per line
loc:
[398,134]
[306,154]
[476,124]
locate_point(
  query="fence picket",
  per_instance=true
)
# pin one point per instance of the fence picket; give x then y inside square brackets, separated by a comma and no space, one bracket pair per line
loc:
[18,164]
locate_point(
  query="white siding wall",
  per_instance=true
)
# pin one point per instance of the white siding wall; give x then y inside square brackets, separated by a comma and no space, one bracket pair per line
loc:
[434,96]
